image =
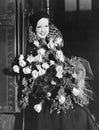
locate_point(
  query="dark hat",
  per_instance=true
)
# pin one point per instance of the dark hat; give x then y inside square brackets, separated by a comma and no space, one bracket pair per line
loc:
[36,17]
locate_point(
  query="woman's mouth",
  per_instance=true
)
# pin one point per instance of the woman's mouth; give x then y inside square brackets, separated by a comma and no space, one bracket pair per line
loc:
[42,34]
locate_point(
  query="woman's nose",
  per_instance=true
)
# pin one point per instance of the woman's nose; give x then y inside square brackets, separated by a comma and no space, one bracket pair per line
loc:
[43,29]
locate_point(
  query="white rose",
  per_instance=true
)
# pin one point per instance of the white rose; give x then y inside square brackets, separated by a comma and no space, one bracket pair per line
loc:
[59,69]
[75,91]
[41,72]
[62,99]
[60,56]
[35,74]
[53,82]
[38,107]
[38,67]
[38,58]
[21,57]
[16,68]
[36,43]
[59,75]
[26,70]
[52,62]
[41,51]
[22,63]
[49,94]
[45,66]
[30,59]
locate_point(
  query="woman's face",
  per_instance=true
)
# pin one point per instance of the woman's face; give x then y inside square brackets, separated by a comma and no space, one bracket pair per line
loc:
[42,27]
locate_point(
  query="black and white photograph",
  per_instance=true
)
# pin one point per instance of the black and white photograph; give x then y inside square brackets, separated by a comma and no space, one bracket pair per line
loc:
[49,64]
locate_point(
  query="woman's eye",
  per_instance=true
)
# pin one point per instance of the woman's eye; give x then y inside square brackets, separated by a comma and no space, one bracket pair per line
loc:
[42,27]
[38,26]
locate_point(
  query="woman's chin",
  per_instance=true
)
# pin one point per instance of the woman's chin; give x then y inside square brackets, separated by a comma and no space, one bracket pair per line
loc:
[42,36]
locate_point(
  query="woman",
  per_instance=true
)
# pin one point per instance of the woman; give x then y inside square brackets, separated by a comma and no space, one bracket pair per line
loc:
[43,33]
[41,26]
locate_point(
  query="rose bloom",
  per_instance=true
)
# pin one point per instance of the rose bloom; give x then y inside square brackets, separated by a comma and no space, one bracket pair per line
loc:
[59,69]
[38,67]
[59,75]
[38,58]
[22,63]
[21,57]
[75,91]
[52,62]
[41,51]
[30,59]
[60,56]
[26,70]
[41,72]
[16,68]
[45,66]
[49,94]
[35,74]
[53,82]
[62,99]
[38,107]
[36,43]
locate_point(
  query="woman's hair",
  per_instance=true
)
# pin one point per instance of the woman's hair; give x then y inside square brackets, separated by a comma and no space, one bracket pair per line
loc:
[36,17]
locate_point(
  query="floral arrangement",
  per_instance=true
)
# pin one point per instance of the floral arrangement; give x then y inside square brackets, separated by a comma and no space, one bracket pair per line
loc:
[47,74]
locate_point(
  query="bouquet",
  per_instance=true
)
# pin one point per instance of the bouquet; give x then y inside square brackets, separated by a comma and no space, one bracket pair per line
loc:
[48,75]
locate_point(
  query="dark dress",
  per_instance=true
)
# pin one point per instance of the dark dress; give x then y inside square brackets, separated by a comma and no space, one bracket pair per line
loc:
[76,119]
